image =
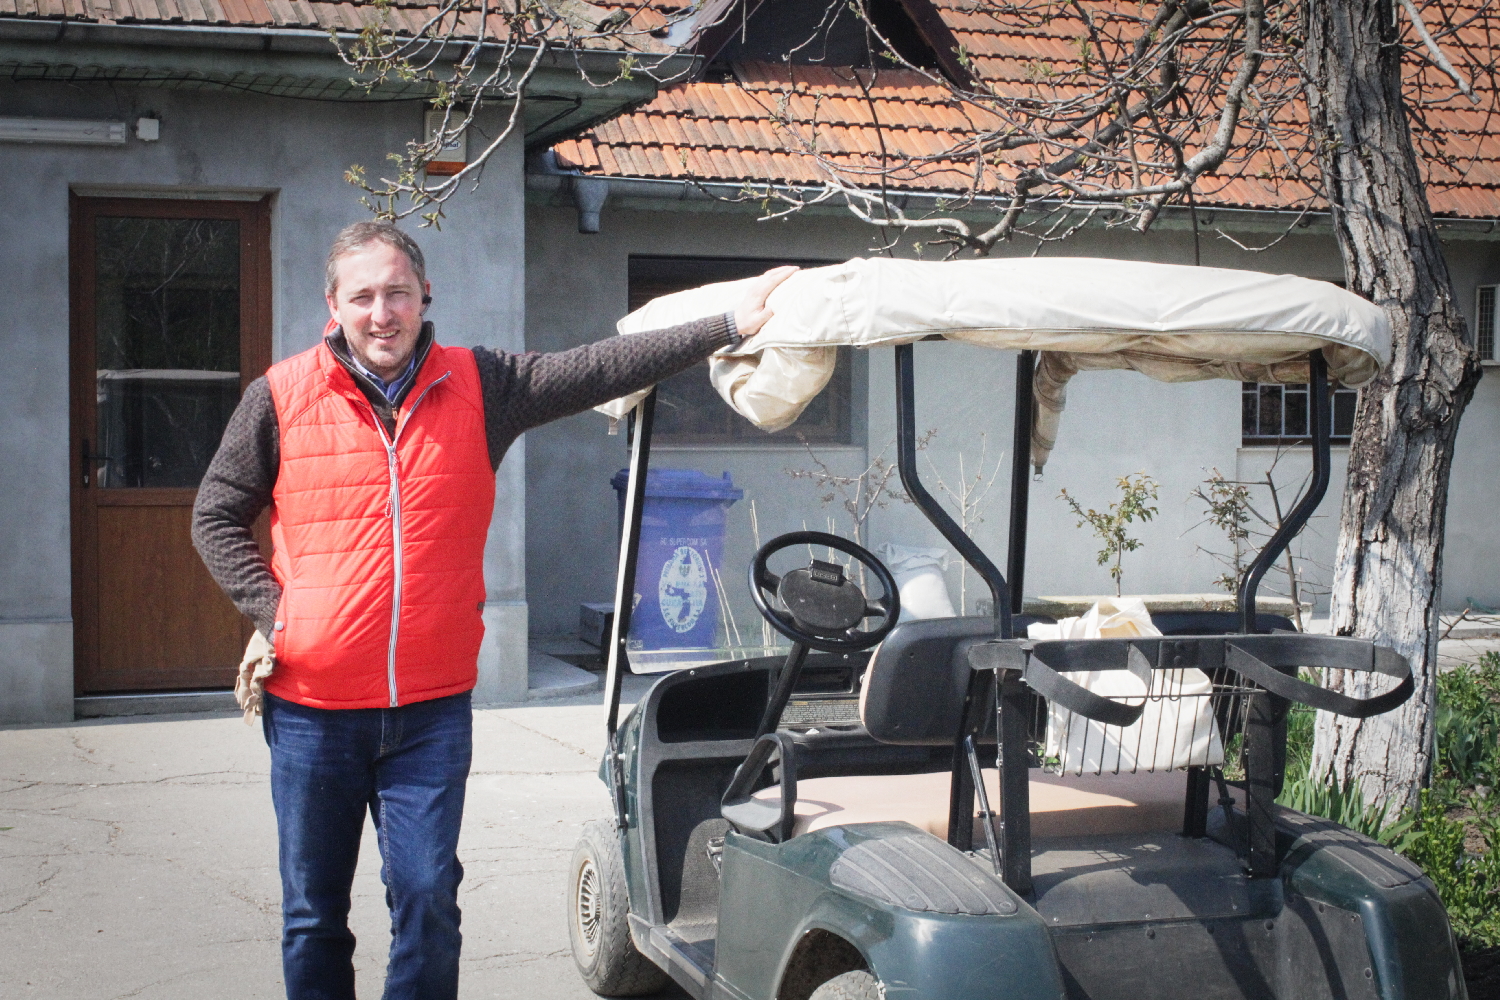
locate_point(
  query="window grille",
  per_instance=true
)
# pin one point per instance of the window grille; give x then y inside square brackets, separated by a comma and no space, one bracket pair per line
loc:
[1278,414]
[1484,323]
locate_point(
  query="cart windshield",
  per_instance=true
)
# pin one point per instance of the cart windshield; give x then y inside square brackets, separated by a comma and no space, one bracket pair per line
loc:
[700,526]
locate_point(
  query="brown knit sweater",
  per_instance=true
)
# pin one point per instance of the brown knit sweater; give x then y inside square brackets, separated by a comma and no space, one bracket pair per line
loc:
[521,391]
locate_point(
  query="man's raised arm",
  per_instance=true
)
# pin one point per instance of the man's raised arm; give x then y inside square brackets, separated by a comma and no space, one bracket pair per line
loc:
[522,391]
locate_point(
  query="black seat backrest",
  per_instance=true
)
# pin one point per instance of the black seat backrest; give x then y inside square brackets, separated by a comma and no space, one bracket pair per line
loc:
[915,687]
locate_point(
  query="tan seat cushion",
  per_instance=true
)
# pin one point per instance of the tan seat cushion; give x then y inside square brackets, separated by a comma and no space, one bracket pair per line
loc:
[1061,806]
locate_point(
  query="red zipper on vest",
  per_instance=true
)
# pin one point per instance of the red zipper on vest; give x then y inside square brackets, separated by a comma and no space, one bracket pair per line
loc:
[393,511]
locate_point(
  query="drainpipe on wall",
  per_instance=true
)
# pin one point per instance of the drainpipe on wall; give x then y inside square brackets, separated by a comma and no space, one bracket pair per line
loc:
[589,194]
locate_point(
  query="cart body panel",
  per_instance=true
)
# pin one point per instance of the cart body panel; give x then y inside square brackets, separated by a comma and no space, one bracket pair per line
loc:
[776,894]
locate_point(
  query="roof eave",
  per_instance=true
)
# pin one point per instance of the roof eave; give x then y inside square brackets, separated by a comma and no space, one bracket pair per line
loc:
[297,62]
[655,194]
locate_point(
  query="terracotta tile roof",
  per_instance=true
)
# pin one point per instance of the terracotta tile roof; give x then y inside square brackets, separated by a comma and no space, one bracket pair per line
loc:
[766,124]
[730,131]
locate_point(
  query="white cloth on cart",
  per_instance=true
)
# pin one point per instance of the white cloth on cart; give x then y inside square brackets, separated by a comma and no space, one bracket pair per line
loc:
[1176,728]
[918,570]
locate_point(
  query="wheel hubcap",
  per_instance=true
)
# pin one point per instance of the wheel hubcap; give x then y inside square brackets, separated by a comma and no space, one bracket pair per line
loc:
[588,898]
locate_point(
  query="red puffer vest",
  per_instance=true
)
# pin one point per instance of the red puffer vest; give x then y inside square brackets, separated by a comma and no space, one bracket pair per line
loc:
[379,546]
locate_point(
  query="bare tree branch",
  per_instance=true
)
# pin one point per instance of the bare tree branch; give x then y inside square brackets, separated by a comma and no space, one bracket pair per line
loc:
[1437,53]
[473,53]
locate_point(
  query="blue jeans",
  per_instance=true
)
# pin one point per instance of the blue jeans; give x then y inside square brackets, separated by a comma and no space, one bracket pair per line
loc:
[408,767]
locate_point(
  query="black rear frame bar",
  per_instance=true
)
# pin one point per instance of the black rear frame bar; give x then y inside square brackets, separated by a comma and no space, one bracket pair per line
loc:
[1009,698]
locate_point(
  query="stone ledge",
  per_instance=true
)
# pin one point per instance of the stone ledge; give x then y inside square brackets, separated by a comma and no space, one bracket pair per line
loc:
[101,706]
[549,677]
[1067,606]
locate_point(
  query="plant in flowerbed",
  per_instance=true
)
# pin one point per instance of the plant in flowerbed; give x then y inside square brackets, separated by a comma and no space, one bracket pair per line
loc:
[1454,834]
[1112,525]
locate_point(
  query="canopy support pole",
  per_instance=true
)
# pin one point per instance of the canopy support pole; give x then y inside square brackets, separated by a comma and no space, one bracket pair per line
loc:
[630,548]
[1015,805]
[906,465]
[1319,412]
[1011,693]
[1265,725]
[1020,478]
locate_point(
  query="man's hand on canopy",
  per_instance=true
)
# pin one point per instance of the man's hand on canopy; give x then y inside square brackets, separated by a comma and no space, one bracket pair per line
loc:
[753,311]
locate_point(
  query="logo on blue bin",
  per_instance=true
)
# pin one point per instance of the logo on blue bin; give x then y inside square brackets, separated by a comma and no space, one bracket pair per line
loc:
[682,591]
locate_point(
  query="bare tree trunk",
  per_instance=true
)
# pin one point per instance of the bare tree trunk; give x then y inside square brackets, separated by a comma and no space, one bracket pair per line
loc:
[1388,571]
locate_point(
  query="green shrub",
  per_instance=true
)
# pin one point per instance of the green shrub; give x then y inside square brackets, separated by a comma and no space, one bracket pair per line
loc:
[1321,796]
[1111,524]
[1468,723]
[1343,804]
[1468,884]
[1300,723]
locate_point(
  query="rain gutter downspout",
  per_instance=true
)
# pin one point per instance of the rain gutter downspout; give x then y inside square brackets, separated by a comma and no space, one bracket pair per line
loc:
[589,193]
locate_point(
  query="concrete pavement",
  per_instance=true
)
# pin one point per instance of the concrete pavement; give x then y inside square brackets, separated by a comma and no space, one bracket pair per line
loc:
[138,858]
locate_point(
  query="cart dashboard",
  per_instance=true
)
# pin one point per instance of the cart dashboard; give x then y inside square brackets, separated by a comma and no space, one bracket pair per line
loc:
[725,701]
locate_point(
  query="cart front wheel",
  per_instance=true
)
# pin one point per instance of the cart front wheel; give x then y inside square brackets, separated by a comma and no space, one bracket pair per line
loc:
[856,985]
[606,957]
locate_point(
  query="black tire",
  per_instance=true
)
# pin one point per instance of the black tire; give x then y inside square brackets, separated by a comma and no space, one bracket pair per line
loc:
[597,929]
[856,985]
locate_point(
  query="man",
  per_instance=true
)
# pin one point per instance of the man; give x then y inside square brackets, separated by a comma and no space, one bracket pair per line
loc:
[376,452]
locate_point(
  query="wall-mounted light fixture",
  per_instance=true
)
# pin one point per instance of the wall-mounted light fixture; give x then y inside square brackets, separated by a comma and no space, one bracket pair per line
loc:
[71,131]
[148,129]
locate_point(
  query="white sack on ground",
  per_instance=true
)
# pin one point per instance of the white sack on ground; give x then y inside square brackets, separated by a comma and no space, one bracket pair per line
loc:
[1172,322]
[1176,729]
[919,577]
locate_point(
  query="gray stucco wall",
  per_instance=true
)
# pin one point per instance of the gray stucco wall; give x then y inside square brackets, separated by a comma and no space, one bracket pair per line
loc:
[1471,563]
[217,145]
[1116,422]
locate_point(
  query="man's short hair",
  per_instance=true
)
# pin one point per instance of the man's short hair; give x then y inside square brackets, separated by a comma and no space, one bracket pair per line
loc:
[358,235]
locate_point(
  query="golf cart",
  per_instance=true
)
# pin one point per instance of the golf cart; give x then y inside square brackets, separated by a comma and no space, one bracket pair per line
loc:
[945,808]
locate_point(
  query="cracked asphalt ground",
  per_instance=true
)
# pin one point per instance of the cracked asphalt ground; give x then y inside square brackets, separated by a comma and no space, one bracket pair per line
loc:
[138,858]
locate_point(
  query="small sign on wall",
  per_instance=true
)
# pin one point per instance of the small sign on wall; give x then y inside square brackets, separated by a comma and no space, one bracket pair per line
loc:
[454,155]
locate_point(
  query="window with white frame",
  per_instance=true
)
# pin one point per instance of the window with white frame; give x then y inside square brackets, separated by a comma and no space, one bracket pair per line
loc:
[1484,323]
[1278,414]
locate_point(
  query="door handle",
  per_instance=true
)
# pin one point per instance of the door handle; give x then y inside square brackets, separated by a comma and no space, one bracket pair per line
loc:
[89,459]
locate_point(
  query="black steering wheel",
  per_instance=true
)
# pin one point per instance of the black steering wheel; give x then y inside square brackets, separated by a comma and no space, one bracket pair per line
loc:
[824,607]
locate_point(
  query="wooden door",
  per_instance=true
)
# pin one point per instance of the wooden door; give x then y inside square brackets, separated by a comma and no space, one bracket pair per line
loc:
[170,321]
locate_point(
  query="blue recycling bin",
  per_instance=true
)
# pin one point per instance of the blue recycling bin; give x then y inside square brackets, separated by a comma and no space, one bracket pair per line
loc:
[682,543]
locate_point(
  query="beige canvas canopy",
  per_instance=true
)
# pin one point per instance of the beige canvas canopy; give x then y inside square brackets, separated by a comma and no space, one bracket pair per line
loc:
[1174,323]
